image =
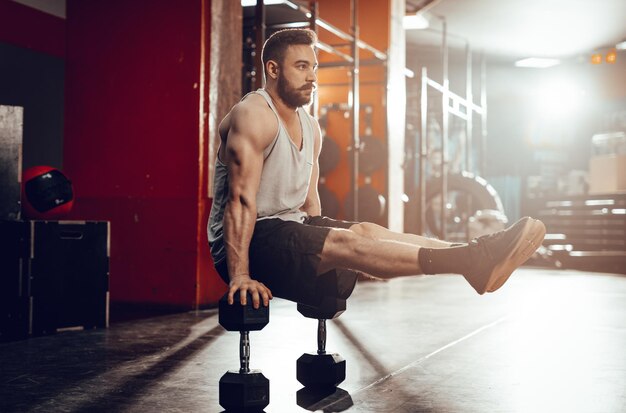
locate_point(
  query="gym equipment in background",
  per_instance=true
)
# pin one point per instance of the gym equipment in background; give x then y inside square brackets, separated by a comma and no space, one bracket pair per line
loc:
[486,221]
[371,206]
[372,158]
[46,193]
[372,155]
[57,276]
[329,155]
[467,195]
[329,201]
[11,120]
[449,104]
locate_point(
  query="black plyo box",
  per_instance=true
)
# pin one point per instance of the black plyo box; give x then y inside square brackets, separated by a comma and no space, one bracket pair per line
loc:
[63,272]
[14,287]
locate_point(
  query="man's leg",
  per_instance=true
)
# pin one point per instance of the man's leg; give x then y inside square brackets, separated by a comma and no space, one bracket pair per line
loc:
[486,262]
[376,231]
[345,248]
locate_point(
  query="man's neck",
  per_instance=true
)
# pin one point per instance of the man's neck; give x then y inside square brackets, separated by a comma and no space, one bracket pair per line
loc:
[285,111]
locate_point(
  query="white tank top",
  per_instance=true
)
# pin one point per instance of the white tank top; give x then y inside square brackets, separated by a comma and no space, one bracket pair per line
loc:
[284,180]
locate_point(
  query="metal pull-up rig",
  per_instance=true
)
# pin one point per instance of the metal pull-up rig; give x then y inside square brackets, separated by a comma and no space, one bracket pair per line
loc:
[352,61]
[452,104]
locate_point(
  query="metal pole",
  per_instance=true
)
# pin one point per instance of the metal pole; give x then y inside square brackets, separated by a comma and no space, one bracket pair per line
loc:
[314,11]
[259,26]
[354,106]
[315,107]
[483,123]
[444,133]
[423,149]
[469,110]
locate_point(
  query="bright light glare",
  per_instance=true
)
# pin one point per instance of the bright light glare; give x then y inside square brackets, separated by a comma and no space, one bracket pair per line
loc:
[248,3]
[558,99]
[621,45]
[537,62]
[415,22]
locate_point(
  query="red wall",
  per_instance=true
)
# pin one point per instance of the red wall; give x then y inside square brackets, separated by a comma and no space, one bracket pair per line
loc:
[32,29]
[134,146]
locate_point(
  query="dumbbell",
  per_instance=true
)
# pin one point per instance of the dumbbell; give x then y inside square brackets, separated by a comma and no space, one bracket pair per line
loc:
[322,369]
[244,390]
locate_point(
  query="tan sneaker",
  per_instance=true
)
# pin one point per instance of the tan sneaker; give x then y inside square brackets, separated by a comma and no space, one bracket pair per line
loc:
[496,256]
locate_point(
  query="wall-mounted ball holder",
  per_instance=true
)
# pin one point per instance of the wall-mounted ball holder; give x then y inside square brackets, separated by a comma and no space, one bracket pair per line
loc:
[372,157]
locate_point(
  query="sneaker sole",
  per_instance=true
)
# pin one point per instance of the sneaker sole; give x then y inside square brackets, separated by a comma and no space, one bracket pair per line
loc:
[530,240]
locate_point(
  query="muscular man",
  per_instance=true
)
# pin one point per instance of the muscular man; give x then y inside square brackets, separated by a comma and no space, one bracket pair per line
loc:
[266,231]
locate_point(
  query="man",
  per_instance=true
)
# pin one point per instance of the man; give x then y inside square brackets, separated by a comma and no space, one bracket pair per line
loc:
[265,229]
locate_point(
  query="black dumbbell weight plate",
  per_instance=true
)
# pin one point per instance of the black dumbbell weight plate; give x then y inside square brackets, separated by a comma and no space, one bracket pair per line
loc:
[321,370]
[244,392]
[236,317]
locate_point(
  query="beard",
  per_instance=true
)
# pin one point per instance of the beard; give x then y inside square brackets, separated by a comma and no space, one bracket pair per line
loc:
[294,97]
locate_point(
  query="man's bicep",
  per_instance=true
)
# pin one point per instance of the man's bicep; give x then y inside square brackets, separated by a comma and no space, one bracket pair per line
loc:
[250,132]
[245,164]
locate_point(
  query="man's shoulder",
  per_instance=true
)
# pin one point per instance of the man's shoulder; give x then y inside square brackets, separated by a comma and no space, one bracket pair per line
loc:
[253,104]
[254,116]
[253,108]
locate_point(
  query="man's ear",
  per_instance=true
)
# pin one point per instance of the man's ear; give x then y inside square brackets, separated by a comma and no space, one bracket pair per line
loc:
[271,69]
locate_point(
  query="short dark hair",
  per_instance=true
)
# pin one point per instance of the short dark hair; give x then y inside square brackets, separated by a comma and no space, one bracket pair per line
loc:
[277,44]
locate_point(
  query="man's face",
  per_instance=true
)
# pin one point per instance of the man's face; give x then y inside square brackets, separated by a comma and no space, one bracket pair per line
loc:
[297,76]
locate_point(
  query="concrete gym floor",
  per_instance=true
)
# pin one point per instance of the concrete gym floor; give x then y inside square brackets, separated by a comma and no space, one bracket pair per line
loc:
[548,341]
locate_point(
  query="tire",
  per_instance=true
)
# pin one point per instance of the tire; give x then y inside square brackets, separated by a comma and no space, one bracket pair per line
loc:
[467,194]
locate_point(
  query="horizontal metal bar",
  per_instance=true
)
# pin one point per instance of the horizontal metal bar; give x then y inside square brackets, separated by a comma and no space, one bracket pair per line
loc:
[452,110]
[454,96]
[292,25]
[336,31]
[597,253]
[328,48]
[362,83]
[369,62]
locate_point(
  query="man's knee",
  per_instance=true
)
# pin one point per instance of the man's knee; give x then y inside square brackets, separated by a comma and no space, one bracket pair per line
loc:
[339,245]
[340,239]
[366,229]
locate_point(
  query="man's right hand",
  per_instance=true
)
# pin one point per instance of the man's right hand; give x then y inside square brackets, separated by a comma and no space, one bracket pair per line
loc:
[245,284]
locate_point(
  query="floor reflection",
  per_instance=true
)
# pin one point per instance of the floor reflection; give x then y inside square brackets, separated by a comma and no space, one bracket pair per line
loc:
[325,399]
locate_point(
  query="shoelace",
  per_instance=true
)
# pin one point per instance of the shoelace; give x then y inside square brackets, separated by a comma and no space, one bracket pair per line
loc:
[482,243]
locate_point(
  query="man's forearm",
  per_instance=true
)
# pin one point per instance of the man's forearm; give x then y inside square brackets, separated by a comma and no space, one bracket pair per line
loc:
[239,221]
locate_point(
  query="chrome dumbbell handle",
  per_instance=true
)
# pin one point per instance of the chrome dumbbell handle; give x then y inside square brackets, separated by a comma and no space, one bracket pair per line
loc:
[244,352]
[321,336]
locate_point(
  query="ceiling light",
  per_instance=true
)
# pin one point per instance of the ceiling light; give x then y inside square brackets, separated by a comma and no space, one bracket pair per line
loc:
[559,98]
[596,59]
[611,56]
[248,3]
[415,22]
[537,62]
[621,45]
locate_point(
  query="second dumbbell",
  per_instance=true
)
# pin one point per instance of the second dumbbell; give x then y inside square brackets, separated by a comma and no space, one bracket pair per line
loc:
[322,369]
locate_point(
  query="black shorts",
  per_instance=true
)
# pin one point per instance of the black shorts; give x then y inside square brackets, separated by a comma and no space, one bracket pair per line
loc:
[285,255]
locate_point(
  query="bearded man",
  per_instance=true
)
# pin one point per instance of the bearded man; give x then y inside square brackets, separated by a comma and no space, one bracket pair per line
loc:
[266,232]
